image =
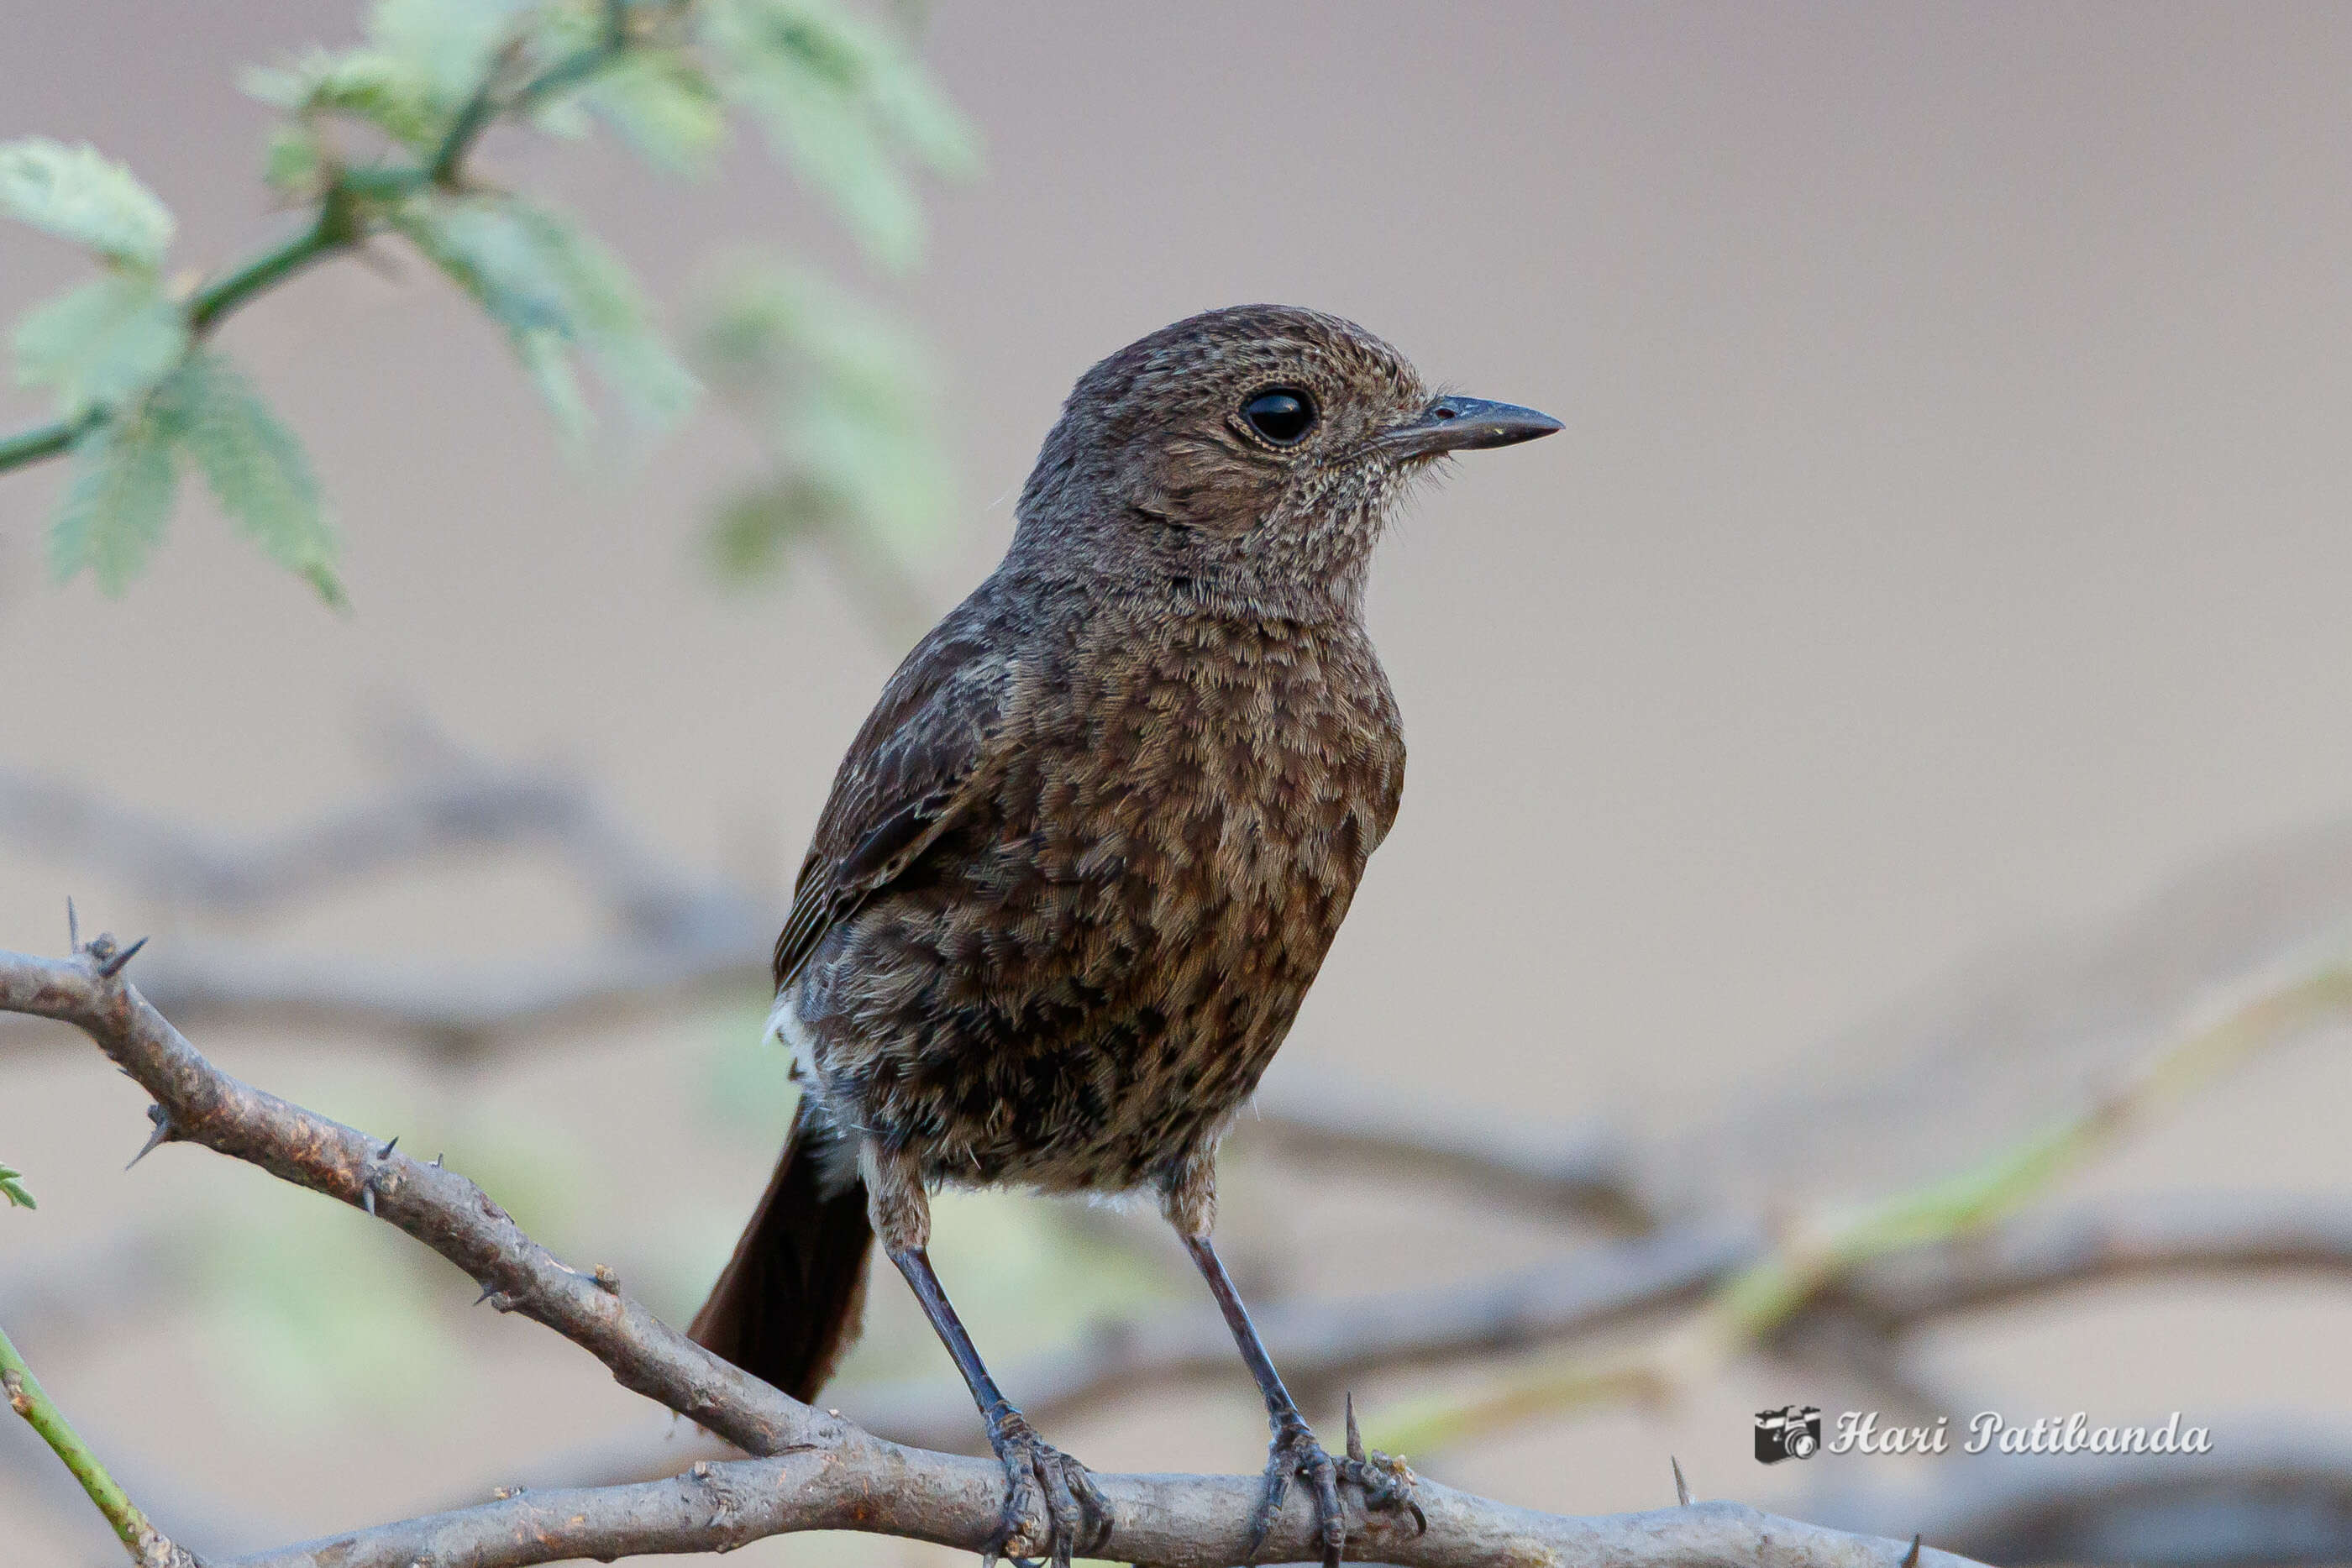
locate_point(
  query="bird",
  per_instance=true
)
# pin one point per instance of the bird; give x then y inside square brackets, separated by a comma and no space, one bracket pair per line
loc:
[1082,861]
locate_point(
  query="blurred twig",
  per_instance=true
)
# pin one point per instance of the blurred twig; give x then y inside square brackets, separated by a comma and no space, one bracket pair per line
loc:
[1765,1294]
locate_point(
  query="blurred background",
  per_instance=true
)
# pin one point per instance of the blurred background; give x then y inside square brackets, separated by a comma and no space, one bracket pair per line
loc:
[1913,683]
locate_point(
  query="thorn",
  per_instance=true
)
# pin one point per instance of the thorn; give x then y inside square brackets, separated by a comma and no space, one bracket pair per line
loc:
[116,964]
[436,1162]
[488,1291]
[367,1197]
[1911,1558]
[385,1153]
[163,1133]
[73,928]
[1682,1487]
[1355,1437]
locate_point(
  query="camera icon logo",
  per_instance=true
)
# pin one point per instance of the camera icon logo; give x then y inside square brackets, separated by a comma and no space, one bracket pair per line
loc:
[1791,1432]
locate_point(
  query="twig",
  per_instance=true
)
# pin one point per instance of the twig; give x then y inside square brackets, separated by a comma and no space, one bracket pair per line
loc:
[471,806]
[1181,1522]
[1587,1172]
[2182,1234]
[148,1546]
[820,1472]
[1764,1296]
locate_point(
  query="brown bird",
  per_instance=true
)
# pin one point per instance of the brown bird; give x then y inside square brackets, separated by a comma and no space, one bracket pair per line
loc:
[1087,854]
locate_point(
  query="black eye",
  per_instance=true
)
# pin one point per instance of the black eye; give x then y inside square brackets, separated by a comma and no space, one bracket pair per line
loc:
[1282,414]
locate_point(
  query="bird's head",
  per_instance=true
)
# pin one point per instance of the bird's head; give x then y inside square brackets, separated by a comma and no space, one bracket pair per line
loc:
[1249,455]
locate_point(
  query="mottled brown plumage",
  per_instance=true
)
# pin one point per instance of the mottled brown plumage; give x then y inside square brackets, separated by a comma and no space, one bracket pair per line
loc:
[1084,858]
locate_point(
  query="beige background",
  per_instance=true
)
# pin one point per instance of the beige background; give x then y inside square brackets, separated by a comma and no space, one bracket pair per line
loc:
[1949,544]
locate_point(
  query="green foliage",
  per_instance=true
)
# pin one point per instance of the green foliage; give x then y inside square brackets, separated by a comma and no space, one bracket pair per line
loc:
[116,504]
[842,396]
[843,100]
[125,476]
[258,470]
[78,194]
[557,292]
[102,344]
[847,105]
[447,45]
[665,107]
[11,1188]
[364,84]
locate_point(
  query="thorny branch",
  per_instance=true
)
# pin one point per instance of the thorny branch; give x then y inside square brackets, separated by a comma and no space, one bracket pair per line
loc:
[816,1471]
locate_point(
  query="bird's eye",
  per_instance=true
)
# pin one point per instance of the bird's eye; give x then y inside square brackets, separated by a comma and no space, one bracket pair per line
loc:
[1282,414]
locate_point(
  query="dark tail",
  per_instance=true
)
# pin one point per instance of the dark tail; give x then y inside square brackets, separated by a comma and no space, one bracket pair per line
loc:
[789,1302]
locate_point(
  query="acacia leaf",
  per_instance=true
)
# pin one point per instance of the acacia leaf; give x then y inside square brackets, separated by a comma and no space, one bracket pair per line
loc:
[256,467]
[78,194]
[102,343]
[118,501]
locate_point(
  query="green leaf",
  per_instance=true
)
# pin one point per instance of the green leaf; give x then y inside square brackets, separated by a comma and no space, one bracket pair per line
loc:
[256,467]
[447,44]
[395,95]
[118,501]
[102,344]
[546,356]
[846,104]
[78,194]
[844,396]
[11,1188]
[293,161]
[664,107]
[478,242]
[557,292]
[926,122]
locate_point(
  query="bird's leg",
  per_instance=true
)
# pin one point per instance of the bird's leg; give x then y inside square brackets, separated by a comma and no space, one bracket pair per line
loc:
[1077,1519]
[1190,1206]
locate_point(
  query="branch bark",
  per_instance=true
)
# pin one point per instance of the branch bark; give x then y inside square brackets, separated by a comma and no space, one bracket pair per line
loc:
[816,1471]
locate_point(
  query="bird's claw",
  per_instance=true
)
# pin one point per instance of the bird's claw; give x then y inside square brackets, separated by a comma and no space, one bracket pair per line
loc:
[1384,1483]
[1385,1480]
[1077,1517]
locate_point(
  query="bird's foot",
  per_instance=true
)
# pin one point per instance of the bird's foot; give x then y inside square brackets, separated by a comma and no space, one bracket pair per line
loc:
[1077,1519]
[1385,1484]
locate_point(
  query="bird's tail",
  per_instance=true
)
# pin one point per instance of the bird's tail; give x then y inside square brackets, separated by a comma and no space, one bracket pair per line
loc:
[789,1301]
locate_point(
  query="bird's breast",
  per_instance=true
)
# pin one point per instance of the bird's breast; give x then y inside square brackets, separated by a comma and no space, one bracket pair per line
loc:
[1220,786]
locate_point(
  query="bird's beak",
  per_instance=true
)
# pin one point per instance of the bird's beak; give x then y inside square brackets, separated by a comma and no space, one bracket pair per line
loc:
[1464,423]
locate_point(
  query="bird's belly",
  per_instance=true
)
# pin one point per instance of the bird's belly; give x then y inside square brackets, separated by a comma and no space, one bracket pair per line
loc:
[1088,1032]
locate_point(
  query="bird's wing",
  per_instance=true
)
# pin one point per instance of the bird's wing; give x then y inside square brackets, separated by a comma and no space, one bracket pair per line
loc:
[932,742]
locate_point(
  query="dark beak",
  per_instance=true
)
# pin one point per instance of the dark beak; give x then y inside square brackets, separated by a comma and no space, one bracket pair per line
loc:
[1466,423]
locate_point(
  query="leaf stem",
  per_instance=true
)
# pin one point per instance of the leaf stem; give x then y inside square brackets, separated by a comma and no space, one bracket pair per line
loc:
[333,229]
[32,446]
[29,1399]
